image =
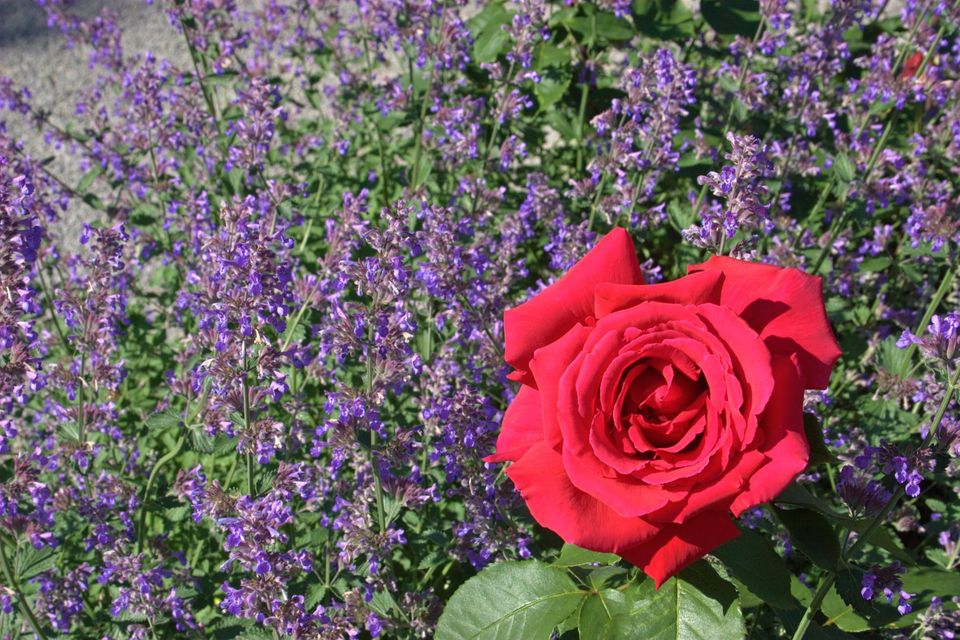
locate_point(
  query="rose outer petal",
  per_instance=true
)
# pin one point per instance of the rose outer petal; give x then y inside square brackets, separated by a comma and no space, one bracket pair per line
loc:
[678,546]
[785,306]
[785,443]
[696,288]
[550,314]
[522,427]
[575,516]
[547,365]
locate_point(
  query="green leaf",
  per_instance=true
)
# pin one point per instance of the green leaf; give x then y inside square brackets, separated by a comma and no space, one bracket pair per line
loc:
[490,44]
[666,19]
[510,600]
[200,441]
[315,593]
[732,17]
[493,15]
[549,55]
[893,359]
[812,535]
[561,124]
[752,560]
[877,612]
[561,16]
[698,605]
[844,168]
[798,496]
[490,38]
[879,263]
[926,582]
[883,538]
[93,201]
[88,179]
[551,88]
[880,417]
[605,576]
[819,453]
[791,619]
[602,26]
[598,612]
[256,633]
[176,514]
[164,420]
[222,79]
[30,561]
[573,556]
[729,83]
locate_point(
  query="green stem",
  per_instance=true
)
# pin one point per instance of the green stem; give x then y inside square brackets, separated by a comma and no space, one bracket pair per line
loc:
[584,94]
[21,599]
[493,138]
[421,121]
[595,205]
[195,58]
[81,409]
[321,183]
[785,167]
[822,589]
[159,464]
[425,104]
[377,483]
[297,318]
[376,125]
[938,297]
[53,315]
[248,457]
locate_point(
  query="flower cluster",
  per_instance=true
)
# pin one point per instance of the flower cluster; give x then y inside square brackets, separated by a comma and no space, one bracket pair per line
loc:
[886,580]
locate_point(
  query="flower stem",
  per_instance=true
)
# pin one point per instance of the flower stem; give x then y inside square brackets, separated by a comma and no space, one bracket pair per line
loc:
[21,599]
[159,464]
[381,147]
[377,484]
[822,589]
[245,389]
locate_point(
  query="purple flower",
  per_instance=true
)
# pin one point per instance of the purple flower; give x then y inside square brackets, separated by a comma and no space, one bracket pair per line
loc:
[886,580]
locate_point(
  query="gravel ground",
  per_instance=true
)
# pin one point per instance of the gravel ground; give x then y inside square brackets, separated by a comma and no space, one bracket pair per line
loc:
[38,57]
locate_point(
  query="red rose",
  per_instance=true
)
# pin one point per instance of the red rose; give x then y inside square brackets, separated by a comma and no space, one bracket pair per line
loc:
[912,65]
[647,414]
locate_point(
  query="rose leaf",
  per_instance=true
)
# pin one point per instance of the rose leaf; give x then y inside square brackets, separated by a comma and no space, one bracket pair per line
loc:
[510,600]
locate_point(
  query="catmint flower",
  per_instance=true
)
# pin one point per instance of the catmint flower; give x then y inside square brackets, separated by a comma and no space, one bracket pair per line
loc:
[740,191]
[862,495]
[886,580]
[941,340]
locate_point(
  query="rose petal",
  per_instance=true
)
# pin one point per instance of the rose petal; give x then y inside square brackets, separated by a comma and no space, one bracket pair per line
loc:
[785,306]
[585,471]
[550,314]
[546,366]
[678,546]
[784,441]
[695,288]
[522,426]
[575,516]
[748,353]
[711,492]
